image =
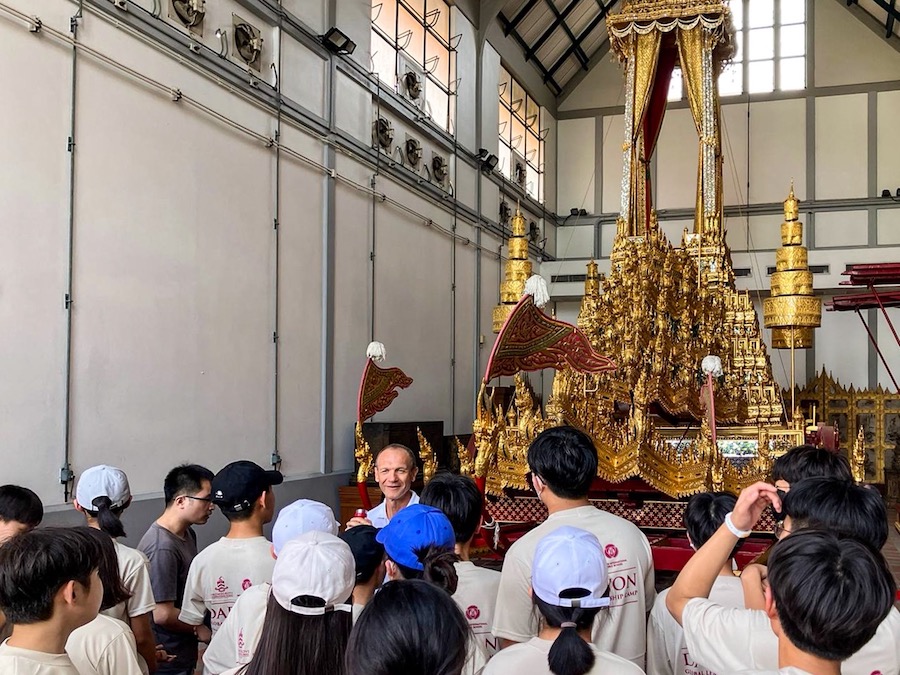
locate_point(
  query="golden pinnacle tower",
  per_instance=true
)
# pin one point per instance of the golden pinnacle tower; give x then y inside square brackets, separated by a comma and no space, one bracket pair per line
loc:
[518,269]
[793,310]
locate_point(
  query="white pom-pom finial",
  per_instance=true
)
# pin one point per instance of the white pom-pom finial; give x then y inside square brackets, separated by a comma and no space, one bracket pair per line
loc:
[376,351]
[711,365]
[536,287]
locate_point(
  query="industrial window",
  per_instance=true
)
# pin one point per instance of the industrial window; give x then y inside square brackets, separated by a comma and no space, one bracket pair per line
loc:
[770,41]
[522,137]
[412,52]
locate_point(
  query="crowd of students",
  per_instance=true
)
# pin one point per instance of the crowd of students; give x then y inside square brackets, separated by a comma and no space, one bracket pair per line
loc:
[398,594]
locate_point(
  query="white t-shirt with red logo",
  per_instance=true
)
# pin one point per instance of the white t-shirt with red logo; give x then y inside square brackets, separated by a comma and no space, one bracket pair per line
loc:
[235,642]
[727,640]
[476,595]
[621,629]
[220,573]
[667,652]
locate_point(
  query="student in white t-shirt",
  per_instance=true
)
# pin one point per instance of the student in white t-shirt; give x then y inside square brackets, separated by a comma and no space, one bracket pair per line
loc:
[309,616]
[368,555]
[221,572]
[49,587]
[667,652]
[827,503]
[102,494]
[476,591]
[569,581]
[563,464]
[826,596]
[418,544]
[106,646]
[236,640]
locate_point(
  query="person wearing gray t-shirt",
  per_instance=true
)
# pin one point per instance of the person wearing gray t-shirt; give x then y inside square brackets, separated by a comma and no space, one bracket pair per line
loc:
[171,544]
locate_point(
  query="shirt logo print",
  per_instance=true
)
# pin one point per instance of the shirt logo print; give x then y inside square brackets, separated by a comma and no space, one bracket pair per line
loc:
[246,583]
[611,551]
[473,612]
[221,586]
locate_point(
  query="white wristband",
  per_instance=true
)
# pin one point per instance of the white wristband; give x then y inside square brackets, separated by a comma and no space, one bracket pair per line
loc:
[740,534]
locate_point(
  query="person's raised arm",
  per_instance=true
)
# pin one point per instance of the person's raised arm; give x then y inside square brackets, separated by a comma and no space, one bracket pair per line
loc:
[699,574]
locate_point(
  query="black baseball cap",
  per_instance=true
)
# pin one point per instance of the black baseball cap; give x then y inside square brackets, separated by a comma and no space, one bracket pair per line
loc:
[240,483]
[367,552]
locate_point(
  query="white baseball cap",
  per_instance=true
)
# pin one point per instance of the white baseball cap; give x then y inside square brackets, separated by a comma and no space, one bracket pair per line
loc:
[102,481]
[318,565]
[569,569]
[300,517]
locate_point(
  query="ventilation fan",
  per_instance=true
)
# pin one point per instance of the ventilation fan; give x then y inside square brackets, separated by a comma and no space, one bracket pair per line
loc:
[248,42]
[383,133]
[412,84]
[413,151]
[439,169]
[190,13]
[505,213]
[520,174]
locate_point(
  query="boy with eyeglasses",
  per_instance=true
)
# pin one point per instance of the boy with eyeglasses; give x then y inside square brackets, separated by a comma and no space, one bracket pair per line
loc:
[171,544]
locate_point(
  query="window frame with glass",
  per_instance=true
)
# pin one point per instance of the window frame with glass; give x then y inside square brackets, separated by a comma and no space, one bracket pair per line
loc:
[521,133]
[417,31]
[771,50]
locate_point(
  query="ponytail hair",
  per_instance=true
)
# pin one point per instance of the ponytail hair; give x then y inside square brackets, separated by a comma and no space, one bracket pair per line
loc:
[108,517]
[438,564]
[570,653]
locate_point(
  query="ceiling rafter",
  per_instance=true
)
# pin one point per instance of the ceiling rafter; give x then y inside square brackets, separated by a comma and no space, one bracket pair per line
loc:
[560,34]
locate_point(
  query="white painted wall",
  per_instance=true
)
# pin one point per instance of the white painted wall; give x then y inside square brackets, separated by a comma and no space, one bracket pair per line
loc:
[174,259]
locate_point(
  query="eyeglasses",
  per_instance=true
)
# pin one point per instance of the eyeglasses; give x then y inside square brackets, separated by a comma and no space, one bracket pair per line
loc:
[199,499]
[780,529]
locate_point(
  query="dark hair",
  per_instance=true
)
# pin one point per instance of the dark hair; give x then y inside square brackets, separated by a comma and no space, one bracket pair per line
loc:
[21,505]
[839,506]
[439,567]
[35,565]
[460,500]
[107,517]
[409,627]
[186,479]
[565,459]
[114,590]
[397,446]
[570,654]
[807,461]
[831,592]
[297,644]
[705,513]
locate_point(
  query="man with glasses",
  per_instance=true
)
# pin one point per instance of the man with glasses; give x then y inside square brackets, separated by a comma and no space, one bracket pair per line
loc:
[171,545]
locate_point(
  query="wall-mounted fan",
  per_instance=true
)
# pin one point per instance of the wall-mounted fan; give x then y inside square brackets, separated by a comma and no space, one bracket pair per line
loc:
[190,13]
[505,213]
[412,84]
[248,42]
[412,149]
[383,133]
[519,174]
[439,169]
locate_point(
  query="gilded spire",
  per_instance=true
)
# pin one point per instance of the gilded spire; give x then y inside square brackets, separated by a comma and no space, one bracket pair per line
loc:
[793,310]
[517,271]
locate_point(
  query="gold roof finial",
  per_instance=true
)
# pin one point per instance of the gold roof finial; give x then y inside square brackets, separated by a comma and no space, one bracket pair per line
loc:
[791,206]
[517,271]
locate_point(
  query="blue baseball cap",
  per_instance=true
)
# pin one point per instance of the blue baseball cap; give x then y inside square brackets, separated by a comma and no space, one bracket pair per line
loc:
[413,528]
